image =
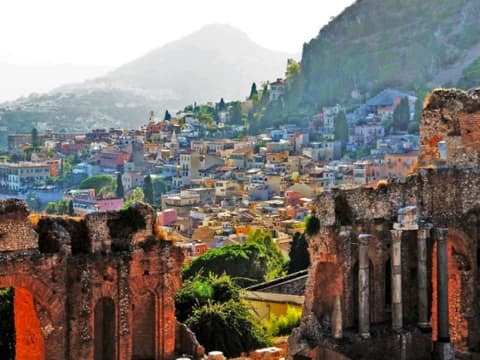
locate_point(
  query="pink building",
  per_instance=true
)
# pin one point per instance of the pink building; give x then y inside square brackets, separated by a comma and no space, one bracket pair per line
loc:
[86,206]
[166,217]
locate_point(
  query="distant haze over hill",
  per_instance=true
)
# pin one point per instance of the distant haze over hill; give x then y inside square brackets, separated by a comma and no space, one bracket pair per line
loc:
[216,61]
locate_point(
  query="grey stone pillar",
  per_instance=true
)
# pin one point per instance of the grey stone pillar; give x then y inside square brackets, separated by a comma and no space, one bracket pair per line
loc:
[363,286]
[397,314]
[337,327]
[422,236]
[443,347]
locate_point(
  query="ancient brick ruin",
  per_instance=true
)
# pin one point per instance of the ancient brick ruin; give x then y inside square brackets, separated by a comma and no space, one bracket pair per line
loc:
[99,287]
[378,286]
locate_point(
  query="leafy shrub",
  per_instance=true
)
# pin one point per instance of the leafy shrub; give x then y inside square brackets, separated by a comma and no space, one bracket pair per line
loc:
[283,324]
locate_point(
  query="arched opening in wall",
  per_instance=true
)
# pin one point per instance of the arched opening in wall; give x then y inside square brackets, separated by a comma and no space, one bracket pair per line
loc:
[144,326]
[21,330]
[388,289]
[355,292]
[104,330]
[460,294]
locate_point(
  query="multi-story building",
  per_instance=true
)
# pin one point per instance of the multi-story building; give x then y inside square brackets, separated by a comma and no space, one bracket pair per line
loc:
[23,175]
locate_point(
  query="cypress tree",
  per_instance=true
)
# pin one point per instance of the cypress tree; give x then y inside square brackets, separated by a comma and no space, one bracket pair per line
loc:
[148,190]
[120,191]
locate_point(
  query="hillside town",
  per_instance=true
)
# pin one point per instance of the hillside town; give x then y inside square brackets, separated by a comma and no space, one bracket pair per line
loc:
[211,183]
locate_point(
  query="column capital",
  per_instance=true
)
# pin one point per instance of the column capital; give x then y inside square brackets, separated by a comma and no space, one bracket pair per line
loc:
[364,239]
[396,234]
[441,234]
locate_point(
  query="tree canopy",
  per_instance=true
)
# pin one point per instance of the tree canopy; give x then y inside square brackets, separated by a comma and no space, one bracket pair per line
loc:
[401,115]
[299,256]
[258,260]
[103,184]
[212,309]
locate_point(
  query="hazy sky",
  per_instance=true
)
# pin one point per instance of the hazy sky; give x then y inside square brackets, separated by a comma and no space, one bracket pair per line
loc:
[112,32]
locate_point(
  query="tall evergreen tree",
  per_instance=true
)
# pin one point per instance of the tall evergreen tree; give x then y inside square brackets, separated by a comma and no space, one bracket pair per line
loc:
[401,115]
[70,210]
[167,116]
[299,256]
[221,105]
[119,191]
[253,92]
[148,190]
[341,128]
[236,113]
[35,140]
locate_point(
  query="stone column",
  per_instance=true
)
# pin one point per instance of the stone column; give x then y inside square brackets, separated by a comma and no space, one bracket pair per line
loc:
[422,236]
[443,347]
[337,327]
[363,286]
[397,314]
[442,284]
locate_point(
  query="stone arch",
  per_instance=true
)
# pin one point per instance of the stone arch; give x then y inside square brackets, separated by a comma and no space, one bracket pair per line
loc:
[48,306]
[460,289]
[104,331]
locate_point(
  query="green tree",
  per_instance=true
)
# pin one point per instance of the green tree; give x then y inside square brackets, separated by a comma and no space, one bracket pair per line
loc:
[228,326]
[167,116]
[221,105]
[298,254]
[70,210]
[341,128]
[312,225]
[119,190]
[258,260]
[253,93]
[148,190]
[136,196]
[293,68]
[59,207]
[236,112]
[35,139]
[401,115]
[103,184]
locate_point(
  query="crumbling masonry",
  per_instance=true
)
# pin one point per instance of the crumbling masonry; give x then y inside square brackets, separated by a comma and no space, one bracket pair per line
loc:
[395,269]
[99,287]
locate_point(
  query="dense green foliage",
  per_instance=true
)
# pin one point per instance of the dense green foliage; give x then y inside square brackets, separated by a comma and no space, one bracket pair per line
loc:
[148,190]
[401,116]
[227,326]
[299,256]
[312,225]
[258,260]
[35,139]
[341,128]
[60,207]
[253,93]
[200,290]
[167,116]
[283,324]
[212,308]
[7,325]
[103,184]
[470,75]
[406,45]
[119,190]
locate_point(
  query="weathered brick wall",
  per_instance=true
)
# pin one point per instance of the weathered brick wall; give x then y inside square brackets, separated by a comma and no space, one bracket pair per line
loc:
[453,116]
[16,230]
[99,284]
[446,197]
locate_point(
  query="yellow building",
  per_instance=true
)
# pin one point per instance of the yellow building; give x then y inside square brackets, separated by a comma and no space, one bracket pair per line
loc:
[264,304]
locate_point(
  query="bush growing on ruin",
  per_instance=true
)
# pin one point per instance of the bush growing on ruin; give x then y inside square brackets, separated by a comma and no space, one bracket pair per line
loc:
[283,324]
[227,326]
